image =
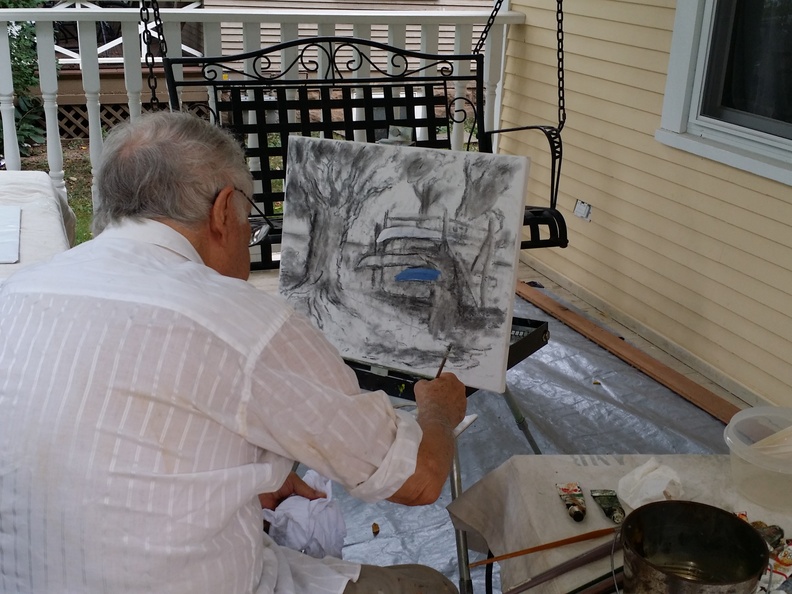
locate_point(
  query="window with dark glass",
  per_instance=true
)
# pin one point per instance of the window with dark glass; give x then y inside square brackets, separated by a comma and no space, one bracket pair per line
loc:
[749,71]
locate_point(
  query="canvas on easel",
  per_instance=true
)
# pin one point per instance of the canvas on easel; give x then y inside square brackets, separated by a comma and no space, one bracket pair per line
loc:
[397,253]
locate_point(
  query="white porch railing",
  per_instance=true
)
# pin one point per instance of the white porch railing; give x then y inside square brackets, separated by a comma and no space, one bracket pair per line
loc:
[222,32]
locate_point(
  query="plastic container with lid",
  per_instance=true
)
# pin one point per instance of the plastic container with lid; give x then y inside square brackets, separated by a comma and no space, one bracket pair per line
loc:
[760,442]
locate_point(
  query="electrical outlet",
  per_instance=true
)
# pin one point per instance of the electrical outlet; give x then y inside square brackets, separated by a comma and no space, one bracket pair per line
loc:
[583,210]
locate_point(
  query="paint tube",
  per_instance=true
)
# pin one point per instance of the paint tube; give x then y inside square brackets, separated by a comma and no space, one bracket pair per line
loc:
[609,502]
[773,535]
[572,496]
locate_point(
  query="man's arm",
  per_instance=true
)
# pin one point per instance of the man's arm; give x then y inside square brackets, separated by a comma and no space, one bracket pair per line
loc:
[307,405]
[441,407]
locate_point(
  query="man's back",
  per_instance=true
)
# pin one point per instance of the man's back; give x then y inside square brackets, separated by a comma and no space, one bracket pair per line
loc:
[121,456]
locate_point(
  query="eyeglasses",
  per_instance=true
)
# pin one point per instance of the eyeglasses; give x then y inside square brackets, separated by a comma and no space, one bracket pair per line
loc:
[260,225]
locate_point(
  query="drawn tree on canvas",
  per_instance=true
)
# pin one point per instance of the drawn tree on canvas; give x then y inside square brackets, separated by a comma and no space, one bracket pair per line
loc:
[330,209]
[484,184]
[398,252]
[426,174]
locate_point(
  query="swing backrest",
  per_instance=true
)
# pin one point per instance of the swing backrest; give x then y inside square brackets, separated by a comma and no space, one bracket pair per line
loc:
[340,88]
[329,87]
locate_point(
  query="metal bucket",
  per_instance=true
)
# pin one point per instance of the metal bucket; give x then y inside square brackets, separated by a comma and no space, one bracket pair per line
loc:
[683,547]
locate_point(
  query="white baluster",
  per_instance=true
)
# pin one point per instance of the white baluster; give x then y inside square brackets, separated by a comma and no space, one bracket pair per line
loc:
[364,71]
[133,77]
[361,30]
[325,30]
[493,66]
[429,37]
[89,67]
[290,31]
[397,38]
[464,33]
[213,47]
[10,146]
[173,39]
[213,44]
[48,83]
[251,40]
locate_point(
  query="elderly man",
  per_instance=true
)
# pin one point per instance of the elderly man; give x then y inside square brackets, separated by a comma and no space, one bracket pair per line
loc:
[149,395]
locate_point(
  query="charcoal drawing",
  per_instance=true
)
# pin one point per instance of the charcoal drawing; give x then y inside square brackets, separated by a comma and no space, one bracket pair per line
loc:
[397,252]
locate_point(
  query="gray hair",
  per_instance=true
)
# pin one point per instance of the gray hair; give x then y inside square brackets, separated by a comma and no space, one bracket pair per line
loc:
[166,165]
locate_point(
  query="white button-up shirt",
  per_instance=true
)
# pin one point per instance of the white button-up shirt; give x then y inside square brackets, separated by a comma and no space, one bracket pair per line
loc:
[145,401]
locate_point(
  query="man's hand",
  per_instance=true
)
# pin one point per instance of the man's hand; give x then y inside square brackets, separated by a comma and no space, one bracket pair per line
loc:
[293,485]
[443,398]
[441,407]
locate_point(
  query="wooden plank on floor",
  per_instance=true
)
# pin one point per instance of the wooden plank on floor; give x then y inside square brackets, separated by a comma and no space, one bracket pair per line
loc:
[670,378]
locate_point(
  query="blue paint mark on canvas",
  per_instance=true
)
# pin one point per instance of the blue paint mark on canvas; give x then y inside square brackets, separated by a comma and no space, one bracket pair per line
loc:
[418,274]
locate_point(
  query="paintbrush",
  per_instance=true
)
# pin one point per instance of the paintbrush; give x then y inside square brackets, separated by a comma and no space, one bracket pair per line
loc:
[603,550]
[443,362]
[547,545]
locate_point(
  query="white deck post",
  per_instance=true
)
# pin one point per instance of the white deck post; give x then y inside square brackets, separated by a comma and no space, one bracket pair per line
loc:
[10,146]
[48,83]
[89,67]
[462,41]
[133,78]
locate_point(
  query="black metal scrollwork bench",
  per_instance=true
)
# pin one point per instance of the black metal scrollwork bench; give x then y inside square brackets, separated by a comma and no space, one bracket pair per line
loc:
[352,89]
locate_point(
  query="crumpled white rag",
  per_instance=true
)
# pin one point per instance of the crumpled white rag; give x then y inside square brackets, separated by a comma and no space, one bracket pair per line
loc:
[316,528]
[651,481]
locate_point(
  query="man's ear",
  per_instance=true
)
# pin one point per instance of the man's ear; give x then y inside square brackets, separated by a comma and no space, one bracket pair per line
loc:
[222,213]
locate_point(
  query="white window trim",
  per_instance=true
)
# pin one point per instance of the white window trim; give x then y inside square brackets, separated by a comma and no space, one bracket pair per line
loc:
[682,126]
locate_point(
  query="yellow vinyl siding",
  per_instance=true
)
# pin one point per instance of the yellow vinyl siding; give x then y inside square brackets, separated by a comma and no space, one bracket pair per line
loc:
[681,248]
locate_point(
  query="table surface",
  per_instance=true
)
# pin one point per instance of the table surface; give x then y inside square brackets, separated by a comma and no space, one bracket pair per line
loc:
[516,506]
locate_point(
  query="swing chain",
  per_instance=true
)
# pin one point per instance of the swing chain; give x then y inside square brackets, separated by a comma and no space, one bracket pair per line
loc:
[559,51]
[560,58]
[485,32]
[147,7]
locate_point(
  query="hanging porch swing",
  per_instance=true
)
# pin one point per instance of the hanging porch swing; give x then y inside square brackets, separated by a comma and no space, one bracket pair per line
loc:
[544,226]
[538,218]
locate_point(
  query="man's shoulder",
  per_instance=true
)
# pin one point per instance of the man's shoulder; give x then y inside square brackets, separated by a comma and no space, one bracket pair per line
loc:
[222,304]
[225,306]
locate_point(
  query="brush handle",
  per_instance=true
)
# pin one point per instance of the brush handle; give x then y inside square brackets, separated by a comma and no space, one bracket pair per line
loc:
[594,554]
[548,545]
[443,362]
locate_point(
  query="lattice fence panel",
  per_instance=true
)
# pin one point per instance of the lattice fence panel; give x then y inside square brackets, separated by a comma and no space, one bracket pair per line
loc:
[73,119]
[112,115]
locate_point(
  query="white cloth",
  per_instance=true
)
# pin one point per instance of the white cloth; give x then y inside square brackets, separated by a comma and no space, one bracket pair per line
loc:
[315,527]
[145,401]
[651,481]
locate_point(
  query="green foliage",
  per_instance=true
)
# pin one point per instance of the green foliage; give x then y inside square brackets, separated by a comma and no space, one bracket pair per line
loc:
[28,116]
[22,37]
[22,41]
